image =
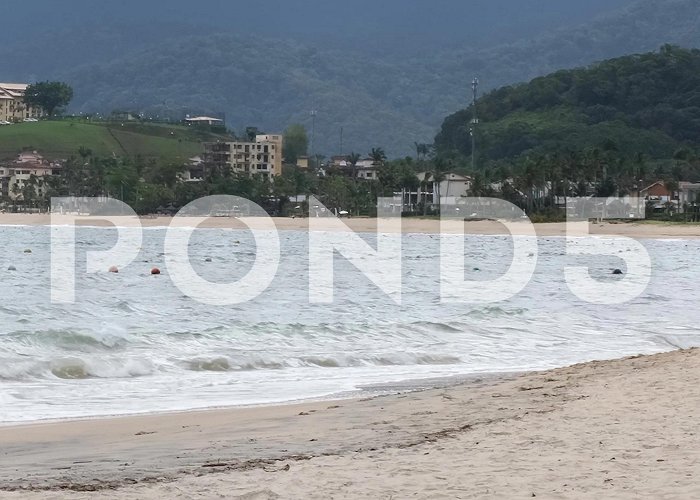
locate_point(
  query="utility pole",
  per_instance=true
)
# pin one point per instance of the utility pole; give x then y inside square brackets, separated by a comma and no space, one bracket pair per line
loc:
[341,142]
[313,133]
[475,121]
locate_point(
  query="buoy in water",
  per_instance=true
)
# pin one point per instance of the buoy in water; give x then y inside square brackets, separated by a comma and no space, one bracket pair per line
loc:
[208,259]
[617,272]
[12,268]
[114,269]
[28,250]
[155,270]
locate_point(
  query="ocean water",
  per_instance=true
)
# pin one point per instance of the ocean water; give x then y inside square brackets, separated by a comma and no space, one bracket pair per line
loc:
[135,343]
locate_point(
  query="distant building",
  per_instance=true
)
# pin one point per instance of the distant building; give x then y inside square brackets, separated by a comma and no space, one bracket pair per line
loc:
[660,198]
[12,105]
[344,162]
[263,157]
[368,173]
[303,162]
[28,168]
[194,170]
[451,188]
[689,194]
[657,196]
[364,169]
[203,120]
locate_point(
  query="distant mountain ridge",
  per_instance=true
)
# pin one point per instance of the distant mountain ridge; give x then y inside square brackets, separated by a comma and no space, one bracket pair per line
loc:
[377,99]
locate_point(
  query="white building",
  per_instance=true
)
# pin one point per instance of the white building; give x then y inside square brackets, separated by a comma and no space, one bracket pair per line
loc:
[262,157]
[12,105]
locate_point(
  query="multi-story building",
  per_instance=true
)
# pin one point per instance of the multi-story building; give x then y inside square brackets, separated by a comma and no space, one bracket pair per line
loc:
[263,157]
[29,168]
[12,105]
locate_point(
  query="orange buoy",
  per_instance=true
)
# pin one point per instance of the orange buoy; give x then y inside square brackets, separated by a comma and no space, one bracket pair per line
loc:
[155,270]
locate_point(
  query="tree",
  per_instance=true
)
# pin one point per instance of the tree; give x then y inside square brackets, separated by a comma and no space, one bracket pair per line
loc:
[422,150]
[439,174]
[378,156]
[251,133]
[296,143]
[48,96]
[353,159]
[672,185]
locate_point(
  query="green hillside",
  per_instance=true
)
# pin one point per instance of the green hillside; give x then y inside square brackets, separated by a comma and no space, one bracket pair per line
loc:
[648,104]
[61,139]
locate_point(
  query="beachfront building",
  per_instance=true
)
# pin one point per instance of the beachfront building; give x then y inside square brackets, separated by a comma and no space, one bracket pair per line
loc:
[688,194]
[262,157]
[660,198]
[25,177]
[450,189]
[12,105]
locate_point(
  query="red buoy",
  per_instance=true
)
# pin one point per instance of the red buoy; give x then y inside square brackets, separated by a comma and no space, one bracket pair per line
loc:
[155,270]
[114,269]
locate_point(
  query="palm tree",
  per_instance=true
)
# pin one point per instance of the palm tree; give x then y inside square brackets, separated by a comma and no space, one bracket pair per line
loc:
[422,150]
[439,174]
[16,192]
[424,188]
[353,158]
[378,156]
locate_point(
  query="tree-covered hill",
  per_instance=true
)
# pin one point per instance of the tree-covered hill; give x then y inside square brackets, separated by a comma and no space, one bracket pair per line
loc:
[648,103]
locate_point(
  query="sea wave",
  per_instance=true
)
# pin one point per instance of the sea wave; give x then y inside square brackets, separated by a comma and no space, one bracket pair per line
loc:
[74,368]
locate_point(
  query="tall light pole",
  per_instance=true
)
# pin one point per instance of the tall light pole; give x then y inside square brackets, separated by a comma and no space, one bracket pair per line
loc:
[475,121]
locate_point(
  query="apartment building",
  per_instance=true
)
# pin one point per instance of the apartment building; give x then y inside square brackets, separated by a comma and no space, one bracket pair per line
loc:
[12,105]
[262,157]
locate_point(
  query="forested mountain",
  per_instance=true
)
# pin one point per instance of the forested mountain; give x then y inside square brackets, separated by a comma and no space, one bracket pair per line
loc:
[385,72]
[388,25]
[648,104]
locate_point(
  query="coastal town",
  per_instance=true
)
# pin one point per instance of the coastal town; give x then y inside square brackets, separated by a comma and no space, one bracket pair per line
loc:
[29,179]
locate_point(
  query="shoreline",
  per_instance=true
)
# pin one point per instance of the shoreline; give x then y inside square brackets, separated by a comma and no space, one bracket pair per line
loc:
[377,390]
[638,230]
[587,429]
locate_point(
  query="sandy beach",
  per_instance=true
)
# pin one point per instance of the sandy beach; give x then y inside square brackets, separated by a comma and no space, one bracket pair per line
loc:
[407,225]
[609,429]
[612,429]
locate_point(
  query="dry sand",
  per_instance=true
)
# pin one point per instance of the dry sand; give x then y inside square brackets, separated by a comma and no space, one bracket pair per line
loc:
[613,429]
[408,225]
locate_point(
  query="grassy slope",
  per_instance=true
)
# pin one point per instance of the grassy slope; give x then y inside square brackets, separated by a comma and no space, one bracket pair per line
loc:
[61,139]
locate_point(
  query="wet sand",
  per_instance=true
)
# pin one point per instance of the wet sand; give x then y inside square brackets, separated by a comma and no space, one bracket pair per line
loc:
[611,429]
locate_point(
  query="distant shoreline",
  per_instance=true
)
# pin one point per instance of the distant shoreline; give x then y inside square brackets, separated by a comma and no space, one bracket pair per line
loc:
[640,230]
